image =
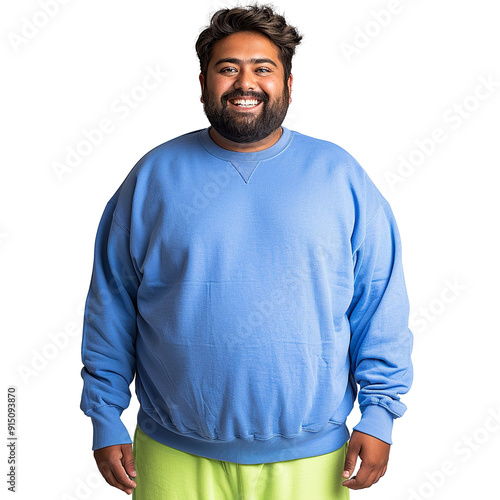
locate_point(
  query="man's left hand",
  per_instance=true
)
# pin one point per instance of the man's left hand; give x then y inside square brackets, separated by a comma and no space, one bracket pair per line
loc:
[374,455]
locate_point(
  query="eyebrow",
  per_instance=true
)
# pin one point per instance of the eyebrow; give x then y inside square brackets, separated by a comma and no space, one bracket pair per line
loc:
[234,60]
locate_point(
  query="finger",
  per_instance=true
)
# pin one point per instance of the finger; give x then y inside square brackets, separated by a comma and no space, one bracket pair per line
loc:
[351,459]
[362,478]
[126,485]
[112,480]
[121,476]
[128,460]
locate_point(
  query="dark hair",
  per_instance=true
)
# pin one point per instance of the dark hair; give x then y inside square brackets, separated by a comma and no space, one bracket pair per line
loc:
[261,19]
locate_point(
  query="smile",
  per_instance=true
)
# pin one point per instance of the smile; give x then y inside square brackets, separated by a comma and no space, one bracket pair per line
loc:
[245,103]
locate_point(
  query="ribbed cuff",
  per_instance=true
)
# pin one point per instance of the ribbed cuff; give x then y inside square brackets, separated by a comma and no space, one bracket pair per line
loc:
[108,427]
[377,422]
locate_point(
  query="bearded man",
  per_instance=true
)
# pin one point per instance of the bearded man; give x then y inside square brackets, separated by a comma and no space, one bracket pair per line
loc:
[251,278]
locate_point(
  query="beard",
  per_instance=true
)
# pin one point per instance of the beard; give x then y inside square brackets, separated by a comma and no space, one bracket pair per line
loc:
[245,127]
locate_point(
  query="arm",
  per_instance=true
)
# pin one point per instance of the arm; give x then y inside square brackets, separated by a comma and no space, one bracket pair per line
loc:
[108,348]
[380,347]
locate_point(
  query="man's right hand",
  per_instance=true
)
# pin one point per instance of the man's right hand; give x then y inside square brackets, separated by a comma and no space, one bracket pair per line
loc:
[114,463]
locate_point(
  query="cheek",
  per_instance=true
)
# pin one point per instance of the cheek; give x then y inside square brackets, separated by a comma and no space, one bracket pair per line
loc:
[214,87]
[273,88]
[220,86]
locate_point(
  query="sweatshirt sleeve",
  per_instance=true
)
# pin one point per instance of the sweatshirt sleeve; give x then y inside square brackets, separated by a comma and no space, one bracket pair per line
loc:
[381,341]
[109,332]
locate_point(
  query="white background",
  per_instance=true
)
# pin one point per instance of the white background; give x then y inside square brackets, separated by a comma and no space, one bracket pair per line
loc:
[417,68]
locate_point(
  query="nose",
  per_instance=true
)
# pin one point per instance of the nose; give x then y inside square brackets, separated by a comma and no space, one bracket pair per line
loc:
[245,80]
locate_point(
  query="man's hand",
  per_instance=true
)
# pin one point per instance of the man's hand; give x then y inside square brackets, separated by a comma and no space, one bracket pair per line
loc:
[374,455]
[114,463]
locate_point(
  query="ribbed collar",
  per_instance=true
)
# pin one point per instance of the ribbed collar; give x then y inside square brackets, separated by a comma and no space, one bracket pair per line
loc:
[236,156]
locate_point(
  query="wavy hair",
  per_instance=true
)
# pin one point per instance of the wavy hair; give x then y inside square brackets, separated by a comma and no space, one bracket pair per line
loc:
[259,18]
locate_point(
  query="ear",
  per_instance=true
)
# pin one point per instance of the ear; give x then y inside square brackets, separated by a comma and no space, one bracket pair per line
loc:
[202,84]
[289,83]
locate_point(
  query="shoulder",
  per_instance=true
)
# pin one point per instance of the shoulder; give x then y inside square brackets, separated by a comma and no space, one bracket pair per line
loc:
[324,149]
[181,144]
[344,170]
[330,154]
[151,164]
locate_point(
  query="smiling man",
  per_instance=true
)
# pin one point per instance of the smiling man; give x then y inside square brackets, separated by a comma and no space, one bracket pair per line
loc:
[250,319]
[246,95]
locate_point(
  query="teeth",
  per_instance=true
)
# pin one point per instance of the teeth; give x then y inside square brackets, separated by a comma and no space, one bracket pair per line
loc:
[245,102]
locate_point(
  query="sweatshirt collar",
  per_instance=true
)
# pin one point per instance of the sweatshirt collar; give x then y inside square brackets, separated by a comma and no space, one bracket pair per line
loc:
[225,154]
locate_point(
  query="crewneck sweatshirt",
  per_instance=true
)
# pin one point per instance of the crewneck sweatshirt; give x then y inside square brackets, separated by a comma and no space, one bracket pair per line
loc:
[253,296]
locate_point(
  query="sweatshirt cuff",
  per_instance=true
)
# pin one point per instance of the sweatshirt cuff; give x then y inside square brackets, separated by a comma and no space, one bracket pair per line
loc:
[377,422]
[108,427]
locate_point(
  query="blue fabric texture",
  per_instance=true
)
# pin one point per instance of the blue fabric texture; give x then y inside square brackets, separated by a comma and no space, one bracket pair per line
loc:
[253,296]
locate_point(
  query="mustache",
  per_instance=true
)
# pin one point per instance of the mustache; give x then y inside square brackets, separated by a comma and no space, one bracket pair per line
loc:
[240,93]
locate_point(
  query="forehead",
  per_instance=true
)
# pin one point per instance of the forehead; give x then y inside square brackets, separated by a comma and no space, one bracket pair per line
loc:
[245,45]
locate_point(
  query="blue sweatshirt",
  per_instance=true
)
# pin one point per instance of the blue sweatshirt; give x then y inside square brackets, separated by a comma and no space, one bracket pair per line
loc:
[250,294]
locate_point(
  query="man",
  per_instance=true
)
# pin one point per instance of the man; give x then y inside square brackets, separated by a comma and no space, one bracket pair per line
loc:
[250,277]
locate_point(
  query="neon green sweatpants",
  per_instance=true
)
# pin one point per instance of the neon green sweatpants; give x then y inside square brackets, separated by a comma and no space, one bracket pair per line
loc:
[165,473]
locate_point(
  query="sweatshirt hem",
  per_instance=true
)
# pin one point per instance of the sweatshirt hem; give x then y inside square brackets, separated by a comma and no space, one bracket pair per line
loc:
[250,451]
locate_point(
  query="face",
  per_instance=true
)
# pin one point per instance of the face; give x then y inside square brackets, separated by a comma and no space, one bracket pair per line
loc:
[244,94]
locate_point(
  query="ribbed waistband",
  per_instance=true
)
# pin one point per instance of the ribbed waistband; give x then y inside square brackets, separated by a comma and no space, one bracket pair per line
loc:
[249,451]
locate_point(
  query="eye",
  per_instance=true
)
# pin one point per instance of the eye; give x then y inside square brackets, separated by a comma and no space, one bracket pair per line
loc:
[263,70]
[228,70]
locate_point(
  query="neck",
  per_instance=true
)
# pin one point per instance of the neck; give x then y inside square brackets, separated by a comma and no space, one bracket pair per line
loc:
[249,147]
